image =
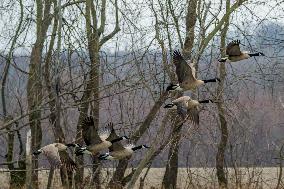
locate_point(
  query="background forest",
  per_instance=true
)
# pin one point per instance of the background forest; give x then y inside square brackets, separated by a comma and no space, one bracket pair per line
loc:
[61,60]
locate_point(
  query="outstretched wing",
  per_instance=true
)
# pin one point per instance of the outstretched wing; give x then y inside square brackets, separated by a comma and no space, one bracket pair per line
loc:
[183,70]
[52,155]
[233,48]
[182,105]
[90,132]
[67,162]
[104,133]
[190,113]
[193,115]
[182,110]
[112,135]
[117,146]
[182,99]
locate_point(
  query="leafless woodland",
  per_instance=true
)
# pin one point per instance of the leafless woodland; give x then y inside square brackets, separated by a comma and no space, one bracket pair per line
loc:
[61,60]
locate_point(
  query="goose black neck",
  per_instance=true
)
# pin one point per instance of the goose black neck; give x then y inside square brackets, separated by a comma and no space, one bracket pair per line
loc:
[137,148]
[71,145]
[210,80]
[37,152]
[254,54]
[117,140]
[204,101]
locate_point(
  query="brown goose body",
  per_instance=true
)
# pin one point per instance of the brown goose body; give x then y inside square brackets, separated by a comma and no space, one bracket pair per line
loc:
[95,149]
[186,107]
[57,155]
[121,154]
[234,53]
[118,151]
[97,140]
[242,56]
[187,85]
[186,75]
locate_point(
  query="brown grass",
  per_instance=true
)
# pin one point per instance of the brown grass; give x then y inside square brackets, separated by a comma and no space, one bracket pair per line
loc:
[187,178]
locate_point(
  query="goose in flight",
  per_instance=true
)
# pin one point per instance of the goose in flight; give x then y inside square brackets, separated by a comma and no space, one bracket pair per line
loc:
[234,53]
[186,75]
[118,151]
[187,107]
[57,155]
[97,140]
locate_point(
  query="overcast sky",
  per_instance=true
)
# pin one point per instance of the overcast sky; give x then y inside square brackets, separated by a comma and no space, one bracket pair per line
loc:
[250,16]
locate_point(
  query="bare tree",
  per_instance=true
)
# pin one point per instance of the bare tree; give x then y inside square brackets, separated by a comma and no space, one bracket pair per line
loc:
[95,40]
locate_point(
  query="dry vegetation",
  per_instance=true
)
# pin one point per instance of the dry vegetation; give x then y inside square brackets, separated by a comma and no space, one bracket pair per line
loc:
[249,178]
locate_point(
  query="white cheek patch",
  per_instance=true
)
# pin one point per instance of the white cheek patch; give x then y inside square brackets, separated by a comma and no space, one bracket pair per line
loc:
[174,107]
[178,88]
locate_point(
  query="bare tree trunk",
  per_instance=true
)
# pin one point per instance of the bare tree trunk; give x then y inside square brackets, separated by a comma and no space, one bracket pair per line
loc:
[93,47]
[50,177]
[83,109]
[34,86]
[94,32]
[220,156]
[279,179]
[142,179]
[34,99]
[28,161]
[116,181]
[170,177]
[191,17]
[153,152]
[17,178]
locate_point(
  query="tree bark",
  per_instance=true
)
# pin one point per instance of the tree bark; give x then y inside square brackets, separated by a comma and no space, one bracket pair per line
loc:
[17,178]
[116,181]
[34,99]
[153,152]
[34,86]
[170,177]
[190,26]
[92,89]
[220,156]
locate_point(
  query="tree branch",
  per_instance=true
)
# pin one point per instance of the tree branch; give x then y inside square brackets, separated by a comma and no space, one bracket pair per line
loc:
[103,18]
[115,30]
[220,24]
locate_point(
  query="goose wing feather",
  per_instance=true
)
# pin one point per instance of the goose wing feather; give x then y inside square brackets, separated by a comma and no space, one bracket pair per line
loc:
[233,48]
[193,115]
[117,146]
[183,69]
[52,155]
[67,161]
[90,132]
[112,135]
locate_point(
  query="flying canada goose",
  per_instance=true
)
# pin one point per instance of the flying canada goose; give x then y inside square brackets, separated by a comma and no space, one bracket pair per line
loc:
[118,151]
[57,155]
[97,140]
[187,107]
[186,75]
[234,54]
